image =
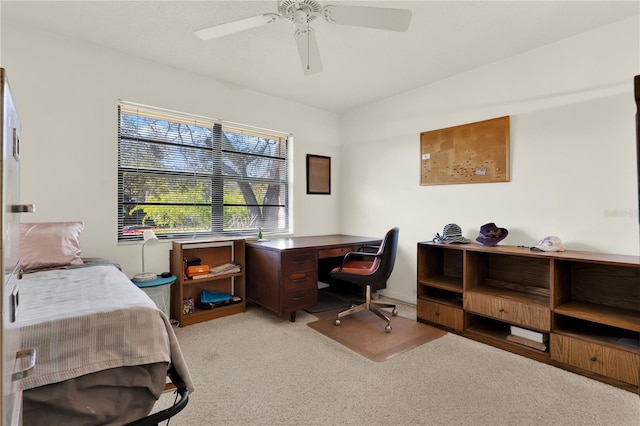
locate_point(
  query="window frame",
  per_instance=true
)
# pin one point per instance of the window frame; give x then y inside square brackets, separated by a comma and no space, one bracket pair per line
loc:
[221,152]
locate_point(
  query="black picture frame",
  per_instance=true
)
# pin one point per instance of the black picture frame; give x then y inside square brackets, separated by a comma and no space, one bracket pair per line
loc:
[318,174]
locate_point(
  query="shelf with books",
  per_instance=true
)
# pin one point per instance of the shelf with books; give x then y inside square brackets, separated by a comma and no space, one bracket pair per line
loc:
[224,261]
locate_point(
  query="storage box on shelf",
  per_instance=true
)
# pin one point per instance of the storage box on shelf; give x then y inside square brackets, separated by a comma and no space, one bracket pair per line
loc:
[582,309]
[185,292]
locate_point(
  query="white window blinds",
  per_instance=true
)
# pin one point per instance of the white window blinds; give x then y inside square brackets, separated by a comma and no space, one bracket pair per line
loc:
[186,176]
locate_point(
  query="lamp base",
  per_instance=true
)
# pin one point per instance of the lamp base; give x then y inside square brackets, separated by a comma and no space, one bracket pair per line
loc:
[145,276]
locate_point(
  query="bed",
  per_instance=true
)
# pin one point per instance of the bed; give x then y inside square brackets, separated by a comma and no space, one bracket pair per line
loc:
[104,350]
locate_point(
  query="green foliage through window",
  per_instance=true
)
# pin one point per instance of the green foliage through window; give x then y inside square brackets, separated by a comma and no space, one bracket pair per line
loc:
[189,176]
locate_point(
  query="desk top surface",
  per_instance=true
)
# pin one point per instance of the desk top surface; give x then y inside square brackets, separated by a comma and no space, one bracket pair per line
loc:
[316,241]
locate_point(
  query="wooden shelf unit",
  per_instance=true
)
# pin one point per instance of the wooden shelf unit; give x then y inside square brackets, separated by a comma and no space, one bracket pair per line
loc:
[212,253]
[586,304]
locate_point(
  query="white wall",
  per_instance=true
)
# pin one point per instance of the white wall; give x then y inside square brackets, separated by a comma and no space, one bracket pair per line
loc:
[572,145]
[573,154]
[66,93]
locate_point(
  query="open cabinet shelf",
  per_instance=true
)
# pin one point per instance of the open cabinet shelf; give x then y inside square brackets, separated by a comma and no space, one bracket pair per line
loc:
[585,307]
[186,293]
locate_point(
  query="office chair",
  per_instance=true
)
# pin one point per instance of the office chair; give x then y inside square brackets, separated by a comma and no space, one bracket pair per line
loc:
[369,269]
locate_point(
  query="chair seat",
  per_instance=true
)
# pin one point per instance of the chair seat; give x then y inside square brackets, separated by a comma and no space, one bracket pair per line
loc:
[358,267]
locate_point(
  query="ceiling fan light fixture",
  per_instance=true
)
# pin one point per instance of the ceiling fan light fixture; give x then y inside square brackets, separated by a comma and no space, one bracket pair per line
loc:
[300,19]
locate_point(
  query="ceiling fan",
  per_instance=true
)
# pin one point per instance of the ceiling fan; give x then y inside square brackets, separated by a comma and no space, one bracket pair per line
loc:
[302,12]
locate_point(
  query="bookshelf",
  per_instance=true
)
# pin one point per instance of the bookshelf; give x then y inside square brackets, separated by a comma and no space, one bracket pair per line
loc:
[213,253]
[582,308]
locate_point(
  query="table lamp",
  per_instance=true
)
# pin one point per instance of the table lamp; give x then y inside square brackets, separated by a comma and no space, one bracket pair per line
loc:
[148,236]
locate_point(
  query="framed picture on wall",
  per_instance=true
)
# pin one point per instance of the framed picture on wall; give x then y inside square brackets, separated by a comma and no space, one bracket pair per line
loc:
[318,174]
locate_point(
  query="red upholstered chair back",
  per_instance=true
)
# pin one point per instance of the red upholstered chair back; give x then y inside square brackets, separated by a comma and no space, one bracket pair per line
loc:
[372,270]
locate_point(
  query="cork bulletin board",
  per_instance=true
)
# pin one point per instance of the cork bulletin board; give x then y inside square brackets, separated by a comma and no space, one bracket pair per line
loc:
[469,153]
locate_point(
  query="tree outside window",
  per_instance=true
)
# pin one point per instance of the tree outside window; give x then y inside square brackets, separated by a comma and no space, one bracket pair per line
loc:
[186,176]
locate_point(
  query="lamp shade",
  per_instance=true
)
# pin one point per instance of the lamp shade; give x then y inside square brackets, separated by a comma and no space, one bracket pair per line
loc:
[148,234]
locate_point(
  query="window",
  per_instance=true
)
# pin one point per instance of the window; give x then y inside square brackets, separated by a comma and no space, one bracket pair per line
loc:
[188,176]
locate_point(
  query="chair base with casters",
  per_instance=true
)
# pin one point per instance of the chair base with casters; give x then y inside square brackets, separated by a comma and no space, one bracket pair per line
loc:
[369,270]
[368,305]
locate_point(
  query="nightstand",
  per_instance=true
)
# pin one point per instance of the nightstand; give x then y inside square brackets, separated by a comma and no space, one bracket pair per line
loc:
[159,290]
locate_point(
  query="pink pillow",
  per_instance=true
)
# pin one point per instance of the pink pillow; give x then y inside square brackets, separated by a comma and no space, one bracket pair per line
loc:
[50,244]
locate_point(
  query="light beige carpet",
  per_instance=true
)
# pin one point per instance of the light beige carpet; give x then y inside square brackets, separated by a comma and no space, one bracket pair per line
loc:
[363,332]
[258,368]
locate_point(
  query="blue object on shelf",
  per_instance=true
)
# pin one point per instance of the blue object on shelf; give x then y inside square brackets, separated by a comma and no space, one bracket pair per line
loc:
[214,296]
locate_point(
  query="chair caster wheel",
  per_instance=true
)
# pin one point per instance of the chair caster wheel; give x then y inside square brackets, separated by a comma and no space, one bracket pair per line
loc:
[394,312]
[387,328]
[336,322]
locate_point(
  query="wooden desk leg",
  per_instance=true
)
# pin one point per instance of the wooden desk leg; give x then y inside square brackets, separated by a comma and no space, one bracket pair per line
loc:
[292,316]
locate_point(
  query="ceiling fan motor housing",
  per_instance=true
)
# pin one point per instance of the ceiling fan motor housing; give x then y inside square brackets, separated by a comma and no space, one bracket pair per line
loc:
[288,9]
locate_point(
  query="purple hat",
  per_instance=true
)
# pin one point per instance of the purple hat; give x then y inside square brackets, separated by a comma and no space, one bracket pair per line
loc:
[490,234]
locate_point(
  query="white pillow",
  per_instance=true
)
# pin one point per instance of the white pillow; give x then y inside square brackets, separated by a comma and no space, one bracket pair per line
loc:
[50,244]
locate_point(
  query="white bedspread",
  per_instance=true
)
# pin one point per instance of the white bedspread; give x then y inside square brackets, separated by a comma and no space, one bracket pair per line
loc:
[89,319]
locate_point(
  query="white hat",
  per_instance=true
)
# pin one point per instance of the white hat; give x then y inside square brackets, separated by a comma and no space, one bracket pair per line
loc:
[549,244]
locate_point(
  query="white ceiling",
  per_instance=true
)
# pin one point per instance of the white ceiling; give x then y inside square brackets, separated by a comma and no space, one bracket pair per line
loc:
[361,65]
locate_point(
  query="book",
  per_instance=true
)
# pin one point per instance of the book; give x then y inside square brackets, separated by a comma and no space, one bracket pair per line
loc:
[529,334]
[527,342]
[213,305]
[197,277]
[226,268]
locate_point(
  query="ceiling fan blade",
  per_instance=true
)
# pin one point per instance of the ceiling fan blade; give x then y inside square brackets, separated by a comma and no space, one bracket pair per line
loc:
[370,17]
[236,26]
[308,50]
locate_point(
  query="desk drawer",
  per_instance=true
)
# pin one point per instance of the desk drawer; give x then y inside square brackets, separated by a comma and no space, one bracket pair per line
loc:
[304,280]
[299,261]
[507,310]
[599,359]
[297,300]
[334,252]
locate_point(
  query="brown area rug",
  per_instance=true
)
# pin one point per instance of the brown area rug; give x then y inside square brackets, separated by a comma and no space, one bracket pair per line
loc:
[363,333]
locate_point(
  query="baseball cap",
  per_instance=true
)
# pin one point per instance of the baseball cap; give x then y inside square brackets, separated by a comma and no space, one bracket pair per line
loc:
[550,243]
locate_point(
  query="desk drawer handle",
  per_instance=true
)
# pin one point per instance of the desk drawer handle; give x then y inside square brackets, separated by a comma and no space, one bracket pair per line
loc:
[300,280]
[593,358]
[501,310]
[299,298]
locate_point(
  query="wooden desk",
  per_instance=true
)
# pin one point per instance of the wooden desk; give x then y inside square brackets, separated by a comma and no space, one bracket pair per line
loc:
[282,274]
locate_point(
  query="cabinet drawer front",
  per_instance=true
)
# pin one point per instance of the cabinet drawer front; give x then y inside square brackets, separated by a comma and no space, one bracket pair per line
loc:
[507,310]
[446,316]
[298,261]
[599,359]
[297,300]
[294,281]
